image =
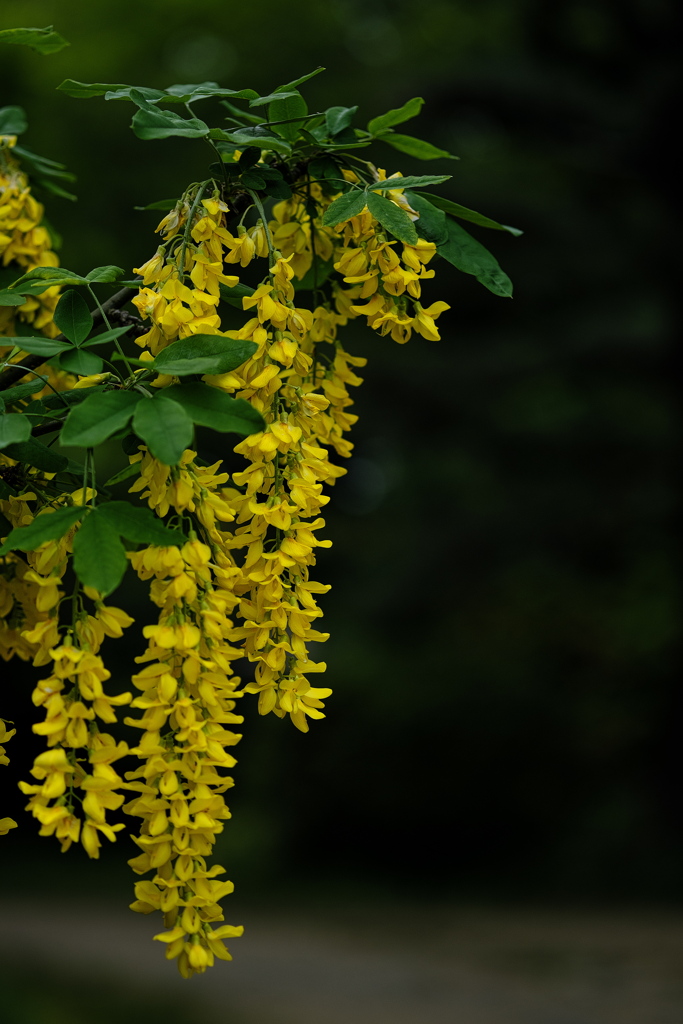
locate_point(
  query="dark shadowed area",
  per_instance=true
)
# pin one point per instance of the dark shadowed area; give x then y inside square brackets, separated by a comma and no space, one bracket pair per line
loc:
[486,827]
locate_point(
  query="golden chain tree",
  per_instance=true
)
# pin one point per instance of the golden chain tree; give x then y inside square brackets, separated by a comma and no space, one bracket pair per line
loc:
[296,230]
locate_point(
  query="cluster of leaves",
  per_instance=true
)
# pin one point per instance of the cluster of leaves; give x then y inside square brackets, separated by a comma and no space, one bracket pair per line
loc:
[290,140]
[266,146]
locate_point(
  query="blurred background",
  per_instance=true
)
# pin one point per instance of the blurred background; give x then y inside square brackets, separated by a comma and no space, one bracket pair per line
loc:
[486,827]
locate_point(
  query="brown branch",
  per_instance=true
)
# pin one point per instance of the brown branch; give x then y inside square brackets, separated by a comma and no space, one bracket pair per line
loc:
[12,374]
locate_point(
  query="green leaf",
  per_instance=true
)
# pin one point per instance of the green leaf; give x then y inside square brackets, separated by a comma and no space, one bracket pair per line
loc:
[240,115]
[73,317]
[104,275]
[347,206]
[408,181]
[6,491]
[151,123]
[234,296]
[81,362]
[84,90]
[161,204]
[44,40]
[210,407]
[41,167]
[40,346]
[432,224]
[456,210]
[285,109]
[251,179]
[12,121]
[165,428]
[40,279]
[259,135]
[397,116]
[11,299]
[470,256]
[261,101]
[33,453]
[45,527]
[22,391]
[99,556]
[14,427]
[338,118]
[191,93]
[123,474]
[299,81]
[98,417]
[100,339]
[203,353]
[416,147]
[139,94]
[392,218]
[138,524]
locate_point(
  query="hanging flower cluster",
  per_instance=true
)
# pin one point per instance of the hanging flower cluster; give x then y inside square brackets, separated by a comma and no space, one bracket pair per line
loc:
[228,549]
[24,242]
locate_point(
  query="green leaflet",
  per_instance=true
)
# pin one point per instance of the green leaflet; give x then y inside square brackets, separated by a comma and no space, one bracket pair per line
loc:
[104,275]
[260,101]
[40,346]
[14,427]
[165,428]
[123,474]
[456,210]
[397,116]
[33,453]
[203,353]
[210,407]
[100,339]
[12,121]
[161,204]
[395,220]
[21,391]
[347,206]
[40,279]
[138,524]
[338,118]
[432,224]
[408,181]
[99,556]
[45,527]
[152,123]
[84,90]
[259,135]
[11,298]
[73,317]
[44,40]
[98,417]
[470,256]
[416,147]
[234,296]
[204,90]
[81,362]
[289,105]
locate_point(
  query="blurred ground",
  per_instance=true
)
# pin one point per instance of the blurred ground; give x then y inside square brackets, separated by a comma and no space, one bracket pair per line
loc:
[368,964]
